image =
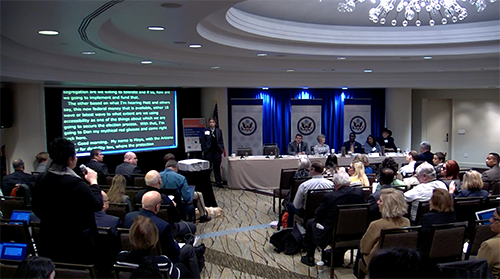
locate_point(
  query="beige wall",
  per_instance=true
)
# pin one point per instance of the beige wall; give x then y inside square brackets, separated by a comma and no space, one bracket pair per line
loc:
[27,136]
[398,116]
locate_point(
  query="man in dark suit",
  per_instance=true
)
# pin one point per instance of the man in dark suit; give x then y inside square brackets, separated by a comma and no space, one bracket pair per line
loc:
[17,177]
[96,163]
[319,231]
[151,202]
[352,145]
[128,167]
[425,152]
[104,220]
[212,145]
[491,177]
[386,178]
[298,147]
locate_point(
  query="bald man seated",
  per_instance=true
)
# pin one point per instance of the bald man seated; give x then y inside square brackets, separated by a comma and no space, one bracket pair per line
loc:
[104,220]
[17,177]
[151,202]
[128,167]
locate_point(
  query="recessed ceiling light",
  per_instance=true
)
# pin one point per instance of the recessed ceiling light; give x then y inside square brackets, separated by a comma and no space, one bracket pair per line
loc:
[146,62]
[48,32]
[305,87]
[265,88]
[262,54]
[441,70]
[290,70]
[368,70]
[88,52]
[427,57]
[344,88]
[214,67]
[156,28]
[341,58]
[194,45]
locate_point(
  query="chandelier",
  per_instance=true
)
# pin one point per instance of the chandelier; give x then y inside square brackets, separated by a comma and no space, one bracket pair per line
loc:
[438,9]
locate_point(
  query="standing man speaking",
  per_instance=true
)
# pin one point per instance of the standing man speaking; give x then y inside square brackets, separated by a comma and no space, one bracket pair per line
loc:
[213,147]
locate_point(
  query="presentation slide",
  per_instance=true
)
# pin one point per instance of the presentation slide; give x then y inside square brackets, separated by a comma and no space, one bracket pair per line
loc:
[122,120]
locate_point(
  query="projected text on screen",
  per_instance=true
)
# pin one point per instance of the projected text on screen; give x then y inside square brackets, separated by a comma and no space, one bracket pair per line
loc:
[119,120]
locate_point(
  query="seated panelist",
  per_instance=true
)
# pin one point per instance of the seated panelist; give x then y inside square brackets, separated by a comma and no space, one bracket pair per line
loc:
[352,145]
[298,147]
[321,148]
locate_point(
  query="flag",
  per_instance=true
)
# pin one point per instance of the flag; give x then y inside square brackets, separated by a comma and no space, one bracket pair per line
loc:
[215,115]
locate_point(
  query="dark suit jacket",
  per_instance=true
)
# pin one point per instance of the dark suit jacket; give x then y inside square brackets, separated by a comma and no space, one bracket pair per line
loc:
[138,196]
[99,167]
[206,141]
[326,212]
[293,148]
[426,156]
[104,220]
[358,148]
[387,143]
[169,247]
[127,170]
[19,176]
[490,177]
[373,199]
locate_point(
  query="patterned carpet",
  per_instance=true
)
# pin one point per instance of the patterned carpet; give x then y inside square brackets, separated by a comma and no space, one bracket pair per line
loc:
[238,241]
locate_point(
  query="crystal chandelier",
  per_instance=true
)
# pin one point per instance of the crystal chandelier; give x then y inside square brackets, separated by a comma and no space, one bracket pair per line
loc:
[443,9]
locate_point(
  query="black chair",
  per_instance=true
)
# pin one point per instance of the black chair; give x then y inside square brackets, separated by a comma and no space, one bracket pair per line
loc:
[119,210]
[186,209]
[465,209]
[400,237]
[312,202]
[295,186]
[66,270]
[9,204]
[477,269]
[284,187]
[423,207]
[124,271]
[481,233]
[107,247]
[8,268]
[139,181]
[492,201]
[131,191]
[446,242]
[350,225]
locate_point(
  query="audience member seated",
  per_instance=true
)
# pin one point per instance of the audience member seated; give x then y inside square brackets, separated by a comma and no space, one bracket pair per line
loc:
[387,141]
[144,237]
[390,163]
[321,148]
[17,177]
[319,231]
[472,186]
[170,179]
[386,178]
[36,268]
[491,177]
[298,147]
[489,249]
[412,180]
[366,162]
[352,145]
[401,262]
[331,165]
[426,175]
[65,204]
[43,161]
[408,170]
[153,183]
[104,220]
[425,152]
[438,161]
[117,191]
[440,212]
[168,157]
[303,168]
[128,167]
[151,202]
[371,146]
[96,162]
[316,182]
[359,178]
[392,207]
[449,173]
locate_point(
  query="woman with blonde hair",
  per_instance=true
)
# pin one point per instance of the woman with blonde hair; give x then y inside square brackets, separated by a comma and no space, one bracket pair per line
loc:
[392,207]
[321,148]
[472,186]
[117,191]
[359,177]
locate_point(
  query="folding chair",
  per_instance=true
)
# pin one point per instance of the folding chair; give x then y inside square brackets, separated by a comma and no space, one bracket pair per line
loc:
[446,242]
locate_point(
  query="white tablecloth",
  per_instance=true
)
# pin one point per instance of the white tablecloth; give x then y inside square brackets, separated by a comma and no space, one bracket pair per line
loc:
[259,172]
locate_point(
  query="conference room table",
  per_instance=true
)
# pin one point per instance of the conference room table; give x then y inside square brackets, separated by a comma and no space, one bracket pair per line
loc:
[261,173]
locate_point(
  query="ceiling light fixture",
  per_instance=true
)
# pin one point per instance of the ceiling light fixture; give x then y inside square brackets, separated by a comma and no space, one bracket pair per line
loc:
[261,54]
[146,62]
[341,58]
[214,67]
[156,28]
[290,70]
[265,88]
[427,57]
[194,45]
[368,70]
[344,88]
[48,32]
[88,52]
[442,10]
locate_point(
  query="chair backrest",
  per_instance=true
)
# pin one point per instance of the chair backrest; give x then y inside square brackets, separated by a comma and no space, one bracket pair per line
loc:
[8,270]
[109,179]
[313,200]
[9,204]
[465,209]
[119,210]
[131,191]
[371,178]
[286,178]
[400,237]
[17,233]
[447,241]
[123,271]
[352,220]
[107,247]
[66,270]
[295,186]
[423,207]
[481,233]
[492,188]
[478,269]
[492,201]
[139,181]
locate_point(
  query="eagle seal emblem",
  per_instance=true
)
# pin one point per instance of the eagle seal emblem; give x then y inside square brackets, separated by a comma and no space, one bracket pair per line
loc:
[306,125]
[247,126]
[357,124]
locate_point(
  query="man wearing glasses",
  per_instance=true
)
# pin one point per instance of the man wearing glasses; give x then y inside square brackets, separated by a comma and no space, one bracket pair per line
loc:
[128,167]
[490,249]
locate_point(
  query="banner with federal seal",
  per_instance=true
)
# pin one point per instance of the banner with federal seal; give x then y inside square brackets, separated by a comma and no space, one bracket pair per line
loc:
[306,120]
[246,125]
[357,119]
